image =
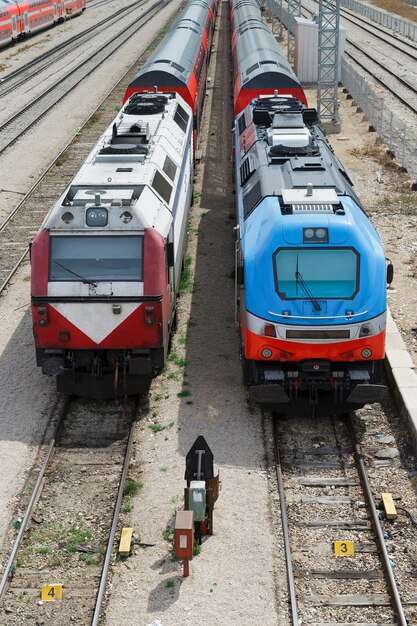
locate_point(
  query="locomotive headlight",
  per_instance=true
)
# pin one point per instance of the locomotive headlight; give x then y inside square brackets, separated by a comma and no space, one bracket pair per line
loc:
[366,330]
[366,353]
[266,353]
[149,313]
[315,235]
[42,316]
[97,216]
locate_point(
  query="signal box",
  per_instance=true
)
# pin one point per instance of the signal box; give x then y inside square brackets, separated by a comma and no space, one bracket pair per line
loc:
[197,499]
[184,535]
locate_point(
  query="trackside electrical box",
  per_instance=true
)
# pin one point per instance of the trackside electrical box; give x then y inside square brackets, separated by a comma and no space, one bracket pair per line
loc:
[197,499]
[184,535]
[306,34]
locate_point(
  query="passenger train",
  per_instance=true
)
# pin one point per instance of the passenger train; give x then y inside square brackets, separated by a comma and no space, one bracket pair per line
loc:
[106,263]
[26,17]
[181,60]
[259,65]
[311,273]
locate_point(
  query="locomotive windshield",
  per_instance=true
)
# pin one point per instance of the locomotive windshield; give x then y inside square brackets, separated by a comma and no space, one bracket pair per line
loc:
[306,273]
[96,258]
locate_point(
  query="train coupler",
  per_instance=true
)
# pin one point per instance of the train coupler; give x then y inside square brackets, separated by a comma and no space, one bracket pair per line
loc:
[96,369]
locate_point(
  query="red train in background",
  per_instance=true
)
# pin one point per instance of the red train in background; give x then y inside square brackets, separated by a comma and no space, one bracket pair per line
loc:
[21,19]
[180,62]
[259,65]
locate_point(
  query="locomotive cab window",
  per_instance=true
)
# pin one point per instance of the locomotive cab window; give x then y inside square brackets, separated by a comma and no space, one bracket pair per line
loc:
[94,258]
[304,273]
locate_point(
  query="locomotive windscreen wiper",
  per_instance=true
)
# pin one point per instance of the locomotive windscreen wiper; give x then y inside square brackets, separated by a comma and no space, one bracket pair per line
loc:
[85,280]
[300,280]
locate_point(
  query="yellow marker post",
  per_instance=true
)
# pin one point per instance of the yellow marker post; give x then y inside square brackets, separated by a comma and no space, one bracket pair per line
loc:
[389,506]
[125,541]
[50,593]
[344,548]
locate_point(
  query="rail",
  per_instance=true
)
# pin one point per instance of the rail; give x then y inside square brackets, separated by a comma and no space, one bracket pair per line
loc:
[399,138]
[34,497]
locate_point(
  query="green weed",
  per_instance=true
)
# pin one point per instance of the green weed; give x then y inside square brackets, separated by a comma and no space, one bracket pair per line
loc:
[131,487]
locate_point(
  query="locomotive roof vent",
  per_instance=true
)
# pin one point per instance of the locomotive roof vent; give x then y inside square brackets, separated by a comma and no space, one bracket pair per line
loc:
[287,120]
[289,137]
[288,129]
[279,151]
[124,148]
[146,104]
[310,200]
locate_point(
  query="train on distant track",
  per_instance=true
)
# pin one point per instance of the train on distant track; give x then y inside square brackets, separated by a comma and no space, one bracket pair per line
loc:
[311,274]
[259,65]
[25,17]
[107,260]
[180,63]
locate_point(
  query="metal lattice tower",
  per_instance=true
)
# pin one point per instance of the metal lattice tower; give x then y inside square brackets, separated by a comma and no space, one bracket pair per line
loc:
[327,101]
[294,10]
[274,12]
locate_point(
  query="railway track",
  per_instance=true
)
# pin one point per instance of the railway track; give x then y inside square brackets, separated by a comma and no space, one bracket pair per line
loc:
[67,531]
[13,80]
[25,118]
[397,80]
[23,222]
[326,496]
[385,72]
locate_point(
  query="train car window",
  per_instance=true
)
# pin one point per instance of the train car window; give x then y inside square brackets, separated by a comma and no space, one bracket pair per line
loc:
[252,69]
[242,124]
[180,68]
[305,273]
[93,258]
[170,168]
[181,118]
[162,186]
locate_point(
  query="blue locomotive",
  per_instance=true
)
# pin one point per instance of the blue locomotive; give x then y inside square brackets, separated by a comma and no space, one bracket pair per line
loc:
[311,273]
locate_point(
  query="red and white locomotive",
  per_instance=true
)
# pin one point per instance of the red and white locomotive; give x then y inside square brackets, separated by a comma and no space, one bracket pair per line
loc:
[106,263]
[23,18]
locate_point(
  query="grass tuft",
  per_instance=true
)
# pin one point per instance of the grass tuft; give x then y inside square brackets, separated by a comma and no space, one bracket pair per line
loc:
[131,487]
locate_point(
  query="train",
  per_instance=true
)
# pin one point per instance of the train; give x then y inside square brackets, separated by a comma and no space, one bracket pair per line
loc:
[107,260]
[23,18]
[180,62]
[258,63]
[311,273]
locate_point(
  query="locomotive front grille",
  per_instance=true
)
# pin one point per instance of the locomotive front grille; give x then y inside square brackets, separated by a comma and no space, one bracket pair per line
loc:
[317,334]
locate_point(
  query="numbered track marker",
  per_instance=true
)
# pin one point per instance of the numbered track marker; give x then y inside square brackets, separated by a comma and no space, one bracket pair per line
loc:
[51,593]
[344,548]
